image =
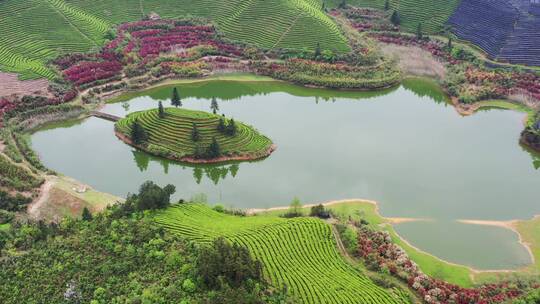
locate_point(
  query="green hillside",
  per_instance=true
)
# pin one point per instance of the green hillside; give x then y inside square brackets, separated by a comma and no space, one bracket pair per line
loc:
[433,14]
[34,31]
[300,253]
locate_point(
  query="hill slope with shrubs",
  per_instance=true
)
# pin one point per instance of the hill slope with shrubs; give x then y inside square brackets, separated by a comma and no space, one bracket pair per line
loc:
[36,31]
[120,256]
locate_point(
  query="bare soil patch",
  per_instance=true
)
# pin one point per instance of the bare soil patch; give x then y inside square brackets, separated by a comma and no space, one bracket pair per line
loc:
[415,61]
[11,85]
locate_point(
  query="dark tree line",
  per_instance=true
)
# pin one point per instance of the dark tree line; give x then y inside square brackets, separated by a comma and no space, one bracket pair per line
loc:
[150,197]
[138,134]
[228,128]
[230,264]
[212,151]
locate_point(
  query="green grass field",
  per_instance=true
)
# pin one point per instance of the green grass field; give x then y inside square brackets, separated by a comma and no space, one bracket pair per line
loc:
[433,14]
[35,31]
[174,132]
[300,253]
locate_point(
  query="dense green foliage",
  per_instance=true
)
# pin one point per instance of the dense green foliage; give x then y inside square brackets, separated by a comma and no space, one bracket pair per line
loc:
[319,211]
[531,298]
[338,76]
[13,203]
[173,135]
[531,135]
[35,31]
[150,197]
[299,253]
[120,260]
[16,176]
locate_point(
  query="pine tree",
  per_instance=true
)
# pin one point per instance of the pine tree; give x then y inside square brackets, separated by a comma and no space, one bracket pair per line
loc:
[317,51]
[295,209]
[86,215]
[450,43]
[342,4]
[221,125]
[195,135]
[387,5]
[214,105]
[198,153]
[161,111]
[395,19]
[231,128]
[175,100]
[214,150]
[138,134]
[419,33]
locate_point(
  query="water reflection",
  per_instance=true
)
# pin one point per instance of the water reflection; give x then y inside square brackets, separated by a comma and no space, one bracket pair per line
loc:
[214,172]
[416,157]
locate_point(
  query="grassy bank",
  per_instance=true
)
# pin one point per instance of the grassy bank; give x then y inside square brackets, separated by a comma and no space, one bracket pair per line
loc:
[507,105]
[234,85]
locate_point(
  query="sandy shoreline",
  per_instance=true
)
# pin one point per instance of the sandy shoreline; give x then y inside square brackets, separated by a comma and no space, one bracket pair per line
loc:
[510,225]
[391,220]
[399,220]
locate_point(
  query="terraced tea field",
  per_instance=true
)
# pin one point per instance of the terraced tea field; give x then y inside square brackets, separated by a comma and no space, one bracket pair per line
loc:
[505,30]
[433,14]
[299,253]
[173,132]
[36,31]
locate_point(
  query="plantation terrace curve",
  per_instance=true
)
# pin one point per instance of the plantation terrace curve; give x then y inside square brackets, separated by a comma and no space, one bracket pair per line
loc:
[151,52]
[192,136]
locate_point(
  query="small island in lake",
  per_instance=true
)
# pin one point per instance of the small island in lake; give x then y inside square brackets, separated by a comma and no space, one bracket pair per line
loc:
[192,136]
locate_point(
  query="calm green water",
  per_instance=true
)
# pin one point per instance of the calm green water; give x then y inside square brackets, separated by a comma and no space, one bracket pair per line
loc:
[405,148]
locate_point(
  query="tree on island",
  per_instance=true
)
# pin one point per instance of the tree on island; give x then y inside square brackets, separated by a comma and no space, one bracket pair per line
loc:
[214,105]
[86,215]
[419,32]
[214,150]
[317,51]
[198,153]
[231,128]
[161,111]
[175,100]
[386,5]
[221,125]
[195,135]
[395,19]
[138,134]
